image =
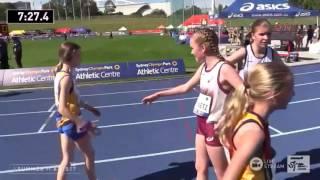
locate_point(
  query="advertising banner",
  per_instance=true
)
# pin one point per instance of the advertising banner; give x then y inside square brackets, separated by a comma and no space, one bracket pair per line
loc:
[42,75]
[28,76]
[156,68]
[101,71]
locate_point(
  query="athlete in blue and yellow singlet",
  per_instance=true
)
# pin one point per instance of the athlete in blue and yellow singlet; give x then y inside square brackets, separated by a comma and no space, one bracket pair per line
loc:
[64,124]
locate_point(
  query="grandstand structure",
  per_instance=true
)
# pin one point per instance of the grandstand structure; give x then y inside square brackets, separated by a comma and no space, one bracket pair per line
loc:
[128,7]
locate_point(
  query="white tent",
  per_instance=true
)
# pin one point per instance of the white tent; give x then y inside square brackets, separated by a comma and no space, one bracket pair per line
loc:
[123,28]
[170,27]
[180,26]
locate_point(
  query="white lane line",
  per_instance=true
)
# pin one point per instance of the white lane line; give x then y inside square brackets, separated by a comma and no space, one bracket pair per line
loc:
[139,103]
[296,131]
[275,130]
[102,127]
[24,113]
[304,73]
[122,92]
[23,100]
[99,161]
[107,106]
[140,156]
[46,122]
[87,95]
[147,122]
[51,108]
[309,83]
[305,100]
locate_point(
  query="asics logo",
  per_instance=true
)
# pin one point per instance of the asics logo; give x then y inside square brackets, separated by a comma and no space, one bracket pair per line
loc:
[210,139]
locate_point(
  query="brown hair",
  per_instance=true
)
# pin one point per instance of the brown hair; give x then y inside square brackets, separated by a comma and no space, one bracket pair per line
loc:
[209,39]
[259,22]
[65,54]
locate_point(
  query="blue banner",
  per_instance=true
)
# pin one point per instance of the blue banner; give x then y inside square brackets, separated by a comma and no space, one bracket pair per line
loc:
[156,68]
[25,76]
[110,71]
[101,71]
[264,8]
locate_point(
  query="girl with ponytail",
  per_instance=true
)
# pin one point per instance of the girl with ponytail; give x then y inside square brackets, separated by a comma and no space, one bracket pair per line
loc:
[244,128]
[217,78]
[74,131]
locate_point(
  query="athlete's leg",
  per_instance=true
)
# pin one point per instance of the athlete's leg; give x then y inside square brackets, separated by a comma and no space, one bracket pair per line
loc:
[84,145]
[67,148]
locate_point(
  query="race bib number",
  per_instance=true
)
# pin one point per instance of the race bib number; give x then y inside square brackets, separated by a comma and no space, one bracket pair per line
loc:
[203,105]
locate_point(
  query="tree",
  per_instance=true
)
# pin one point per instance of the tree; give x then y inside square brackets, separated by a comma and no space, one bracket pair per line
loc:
[58,6]
[3,10]
[307,4]
[141,10]
[220,8]
[157,13]
[110,7]
[187,12]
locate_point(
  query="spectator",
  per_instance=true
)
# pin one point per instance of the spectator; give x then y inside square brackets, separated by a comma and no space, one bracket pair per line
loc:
[17,51]
[299,37]
[241,35]
[316,35]
[65,36]
[310,32]
[4,64]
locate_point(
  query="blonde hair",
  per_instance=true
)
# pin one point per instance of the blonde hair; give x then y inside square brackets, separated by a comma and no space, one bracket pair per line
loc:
[209,39]
[262,79]
[65,54]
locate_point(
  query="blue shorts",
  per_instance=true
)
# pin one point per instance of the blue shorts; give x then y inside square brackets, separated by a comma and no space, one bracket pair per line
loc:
[70,130]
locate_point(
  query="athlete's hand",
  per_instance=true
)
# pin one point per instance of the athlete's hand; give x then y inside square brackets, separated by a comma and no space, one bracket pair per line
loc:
[149,99]
[218,125]
[95,112]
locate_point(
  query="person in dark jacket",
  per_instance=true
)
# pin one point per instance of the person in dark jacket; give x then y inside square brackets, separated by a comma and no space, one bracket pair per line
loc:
[17,51]
[4,64]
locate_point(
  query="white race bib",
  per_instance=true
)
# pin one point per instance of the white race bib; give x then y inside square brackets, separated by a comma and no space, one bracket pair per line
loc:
[203,105]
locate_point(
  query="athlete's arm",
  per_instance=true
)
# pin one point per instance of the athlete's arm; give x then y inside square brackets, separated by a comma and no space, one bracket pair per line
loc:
[65,87]
[90,108]
[180,89]
[230,75]
[237,56]
[248,142]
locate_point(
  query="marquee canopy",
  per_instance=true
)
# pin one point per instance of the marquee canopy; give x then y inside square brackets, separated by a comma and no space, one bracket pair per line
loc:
[264,8]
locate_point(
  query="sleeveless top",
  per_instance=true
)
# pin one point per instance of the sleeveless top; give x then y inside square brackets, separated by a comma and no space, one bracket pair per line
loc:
[251,60]
[73,100]
[264,173]
[211,86]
